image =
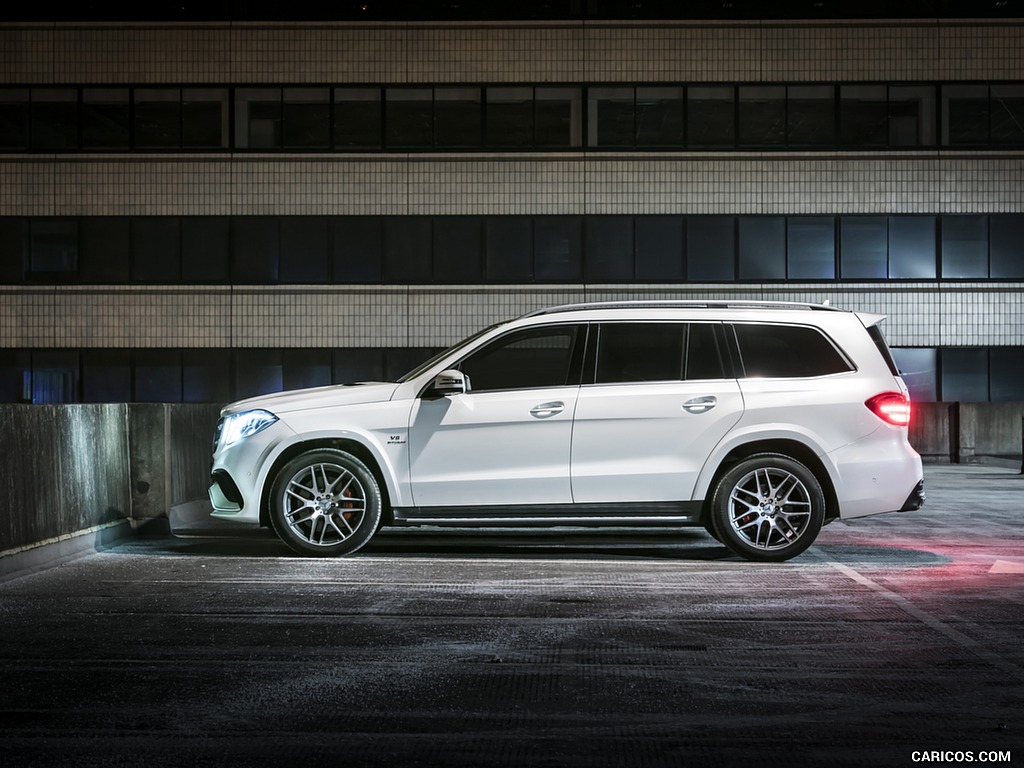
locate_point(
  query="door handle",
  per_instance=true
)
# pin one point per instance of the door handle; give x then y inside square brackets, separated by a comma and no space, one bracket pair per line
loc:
[546,410]
[700,404]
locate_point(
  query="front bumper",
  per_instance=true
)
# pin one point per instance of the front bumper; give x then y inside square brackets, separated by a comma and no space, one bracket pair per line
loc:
[240,471]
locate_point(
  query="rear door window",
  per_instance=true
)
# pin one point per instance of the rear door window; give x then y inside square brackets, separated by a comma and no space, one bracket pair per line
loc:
[634,352]
[787,352]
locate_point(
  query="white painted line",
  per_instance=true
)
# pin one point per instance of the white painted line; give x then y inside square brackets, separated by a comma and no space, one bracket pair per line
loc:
[1005,566]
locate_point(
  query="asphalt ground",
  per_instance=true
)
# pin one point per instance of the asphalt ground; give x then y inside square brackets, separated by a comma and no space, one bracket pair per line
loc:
[895,638]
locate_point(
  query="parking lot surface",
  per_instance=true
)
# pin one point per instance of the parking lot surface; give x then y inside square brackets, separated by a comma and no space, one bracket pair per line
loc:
[892,638]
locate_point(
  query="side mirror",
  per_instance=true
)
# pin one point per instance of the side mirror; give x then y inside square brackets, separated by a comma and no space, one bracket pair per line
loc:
[450,383]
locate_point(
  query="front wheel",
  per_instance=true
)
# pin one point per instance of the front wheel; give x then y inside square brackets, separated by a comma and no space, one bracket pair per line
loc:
[325,503]
[768,507]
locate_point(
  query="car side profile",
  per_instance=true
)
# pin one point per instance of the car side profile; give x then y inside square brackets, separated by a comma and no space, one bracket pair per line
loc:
[760,421]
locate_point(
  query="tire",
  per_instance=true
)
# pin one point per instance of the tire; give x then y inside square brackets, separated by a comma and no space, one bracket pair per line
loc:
[768,507]
[325,503]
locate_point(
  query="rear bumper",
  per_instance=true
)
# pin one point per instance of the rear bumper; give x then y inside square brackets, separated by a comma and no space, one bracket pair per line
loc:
[878,474]
[916,499]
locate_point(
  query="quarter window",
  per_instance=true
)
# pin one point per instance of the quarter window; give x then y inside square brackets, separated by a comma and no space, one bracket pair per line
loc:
[787,352]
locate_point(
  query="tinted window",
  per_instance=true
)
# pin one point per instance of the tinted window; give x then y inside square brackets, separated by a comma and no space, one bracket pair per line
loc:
[105,118]
[640,352]
[965,246]
[811,248]
[458,249]
[104,249]
[307,120]
[610,117]
[258,371]
[106,376]
[864,247]
[710,248]
[357,118]
[965,375]
[157,118]
[1007,383]
[508,248]
[158,376]
[787,351]
[204,249]
[457,117]
[863,116]
[204,118]
[1007,114]
[762,116]
[258,118]
[528,359]
[762,247]
[1006,236]
[811,118]
[710,117]
[357,249]
[155,249]
[54,118]
[659,117]
[558,245]
[658,247]
[912,247]
[609,244]
[912,116]
[965,115]
[558,117]
[14,116]
[409,117]
[305,246]
[703,357]
[509,117]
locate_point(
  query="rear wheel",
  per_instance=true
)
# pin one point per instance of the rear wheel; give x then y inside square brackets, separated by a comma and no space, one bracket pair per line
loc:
[325,503]
[768,507]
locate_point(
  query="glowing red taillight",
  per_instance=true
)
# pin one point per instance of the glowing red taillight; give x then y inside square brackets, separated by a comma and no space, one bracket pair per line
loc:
[891,407]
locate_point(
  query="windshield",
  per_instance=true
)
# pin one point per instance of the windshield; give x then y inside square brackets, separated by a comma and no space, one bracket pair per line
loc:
[464,343]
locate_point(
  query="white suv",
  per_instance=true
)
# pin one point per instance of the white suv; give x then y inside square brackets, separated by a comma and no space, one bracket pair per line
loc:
[759,421]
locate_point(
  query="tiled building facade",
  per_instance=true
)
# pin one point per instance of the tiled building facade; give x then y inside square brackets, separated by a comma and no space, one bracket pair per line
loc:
[137,264]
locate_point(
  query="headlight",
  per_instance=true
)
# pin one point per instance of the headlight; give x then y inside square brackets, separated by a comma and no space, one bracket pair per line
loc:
[239,426]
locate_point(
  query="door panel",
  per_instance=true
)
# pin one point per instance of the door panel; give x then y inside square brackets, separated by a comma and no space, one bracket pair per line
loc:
[509,447]
[648,442]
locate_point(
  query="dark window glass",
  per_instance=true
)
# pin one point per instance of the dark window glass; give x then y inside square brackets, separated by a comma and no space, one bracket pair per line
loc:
[964,246]
[104,250]
[457,117]
[509,117]
[204,118]
[54,377]
[811,116]
[918,369]
[206,376]
[305,249]
[407,246]
[158,376]
[762,247]
[255,249]
[15,376]
[1007,246]
[912,247]
[864,249]
[157,118]
[710,117]
[863,116]
[1007,382]
[559,117]
[659,247]
[15,240]
[786,352]
[534,358]
[912,116]
[257,372]
[54,118]
[357,118]
[105,118]
[703,358]
[352,365]
[558,247]
[14,118]
[811,248]
[458,249]
[357,250]
[762,115]
[610,117]
[307,118]
[106,376]
[156,249]
[1007,116]
[205,249]
[508,249]
[631,352]
[54,251]
[965,375]
[306,368]
[409,119]
[609,248]
[711,248]
[659,117]
[258,118]
[965,115]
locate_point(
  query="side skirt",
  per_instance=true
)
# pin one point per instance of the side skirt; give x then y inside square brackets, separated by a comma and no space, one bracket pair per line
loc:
[676,513]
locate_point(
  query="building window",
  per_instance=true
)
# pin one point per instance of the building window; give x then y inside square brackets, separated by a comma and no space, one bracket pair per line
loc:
[156,248]
[307,118]
[611,117]
[204,118]
[508,249]
[205,249]
[659,243]
[558,248]
[1007,253]
[53,252]
[864,247]
[407,249]
[659,117]
[964,246]
[158,376]
[1007,114]
[762,247]
[157,115]
[357,118]
[811,116]
[458,249]
[609,248]
[54,118]
[558,117]
[918,368]
[255,249]
[357,247]
[509,117]
[409,118]
[762,116]
[105,118]
[965,375]
[14,118]
[912,247]
[863,116]
[811,248]
[258,372]
[965,115]
[104,245]
[912,116]
[711,248]
[305,248]
[458,118]
[106,376]
[258,118]
[710,117]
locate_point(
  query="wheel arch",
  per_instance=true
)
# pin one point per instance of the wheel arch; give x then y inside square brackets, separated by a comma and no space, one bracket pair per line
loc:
[787,447]
[348,445]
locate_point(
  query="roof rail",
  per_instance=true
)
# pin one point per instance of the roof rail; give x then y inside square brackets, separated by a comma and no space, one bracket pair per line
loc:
[682,304]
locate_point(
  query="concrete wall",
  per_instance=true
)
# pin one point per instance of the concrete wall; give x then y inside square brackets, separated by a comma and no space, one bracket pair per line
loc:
[963,432]
[72,468]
